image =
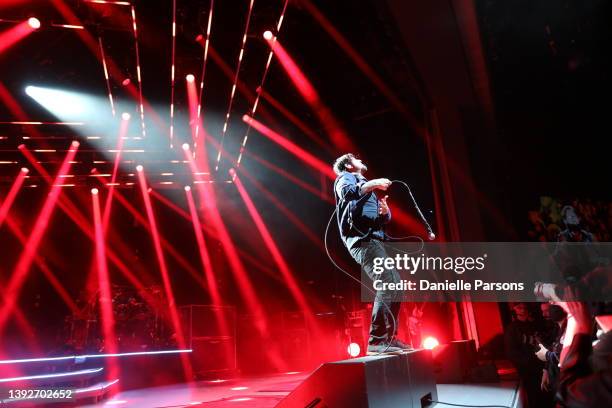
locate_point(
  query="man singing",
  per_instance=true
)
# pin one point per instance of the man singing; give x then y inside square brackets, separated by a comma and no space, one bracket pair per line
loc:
[361,220]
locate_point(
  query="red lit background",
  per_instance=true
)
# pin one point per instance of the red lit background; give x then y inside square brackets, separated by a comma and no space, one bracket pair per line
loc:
[262,119]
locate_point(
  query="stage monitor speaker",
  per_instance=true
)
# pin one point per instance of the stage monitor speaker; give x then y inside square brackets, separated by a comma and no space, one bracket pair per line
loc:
[208,321]
[385,381]
[453,362]
[212,354]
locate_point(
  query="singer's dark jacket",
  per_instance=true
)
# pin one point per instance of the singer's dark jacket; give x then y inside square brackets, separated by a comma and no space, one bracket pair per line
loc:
[358,217]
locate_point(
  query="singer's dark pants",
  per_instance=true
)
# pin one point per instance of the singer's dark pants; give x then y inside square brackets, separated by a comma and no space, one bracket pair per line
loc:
[386,307]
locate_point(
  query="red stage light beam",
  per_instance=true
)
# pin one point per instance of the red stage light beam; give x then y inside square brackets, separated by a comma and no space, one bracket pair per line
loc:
[27,256]
[116,3]
[211,231]
[40,262]
[299,123]
[204,255]
[79,219]
[277,256]
[321,166]
[105,295]
[291,147]
[295,220]
[207,266]
[296,180]
[174,317]
[16,33]
[338,136]
[123,130]
[4,209]
[12,194]
[261,83]
[208,200]
[363,66]
[233,92]
[165,244]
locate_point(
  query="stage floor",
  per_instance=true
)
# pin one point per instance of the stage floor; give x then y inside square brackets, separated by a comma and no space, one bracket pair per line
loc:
[266,392]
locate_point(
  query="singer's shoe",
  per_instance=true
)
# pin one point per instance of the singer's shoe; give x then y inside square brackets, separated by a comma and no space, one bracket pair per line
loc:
[374,349]
[401,345]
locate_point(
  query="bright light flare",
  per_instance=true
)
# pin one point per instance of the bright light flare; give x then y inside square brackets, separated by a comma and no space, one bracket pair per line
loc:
[63,104]
[430,343]
[125,116]
[353,350]
[267,35]
[34,23]
[94,191]
[190,78]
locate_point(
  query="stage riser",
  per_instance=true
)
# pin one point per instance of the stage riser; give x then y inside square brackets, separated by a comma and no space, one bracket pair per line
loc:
[386,381]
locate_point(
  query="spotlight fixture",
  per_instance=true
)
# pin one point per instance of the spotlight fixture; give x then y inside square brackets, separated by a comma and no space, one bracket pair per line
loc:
[94,191]
[34,23]
[267,35]
[139,167]
[25,170]
[190,78]
[75,144]
[125,116]
[185,146]
[126,82]
[187,188]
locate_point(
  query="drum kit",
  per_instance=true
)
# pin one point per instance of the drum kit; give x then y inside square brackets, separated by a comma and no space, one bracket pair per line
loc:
[139,324]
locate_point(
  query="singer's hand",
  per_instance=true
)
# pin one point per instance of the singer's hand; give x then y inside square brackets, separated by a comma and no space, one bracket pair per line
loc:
[383,207]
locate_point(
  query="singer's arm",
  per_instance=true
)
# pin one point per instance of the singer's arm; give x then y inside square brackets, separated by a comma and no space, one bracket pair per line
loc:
[379,183]
[348,188]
